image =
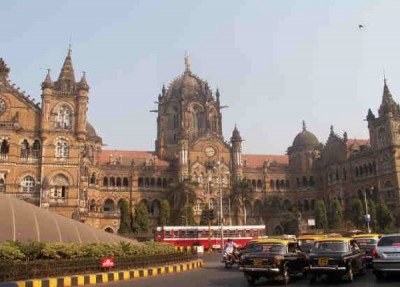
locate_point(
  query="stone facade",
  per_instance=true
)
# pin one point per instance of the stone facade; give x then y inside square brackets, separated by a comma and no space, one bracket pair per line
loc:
[52,157]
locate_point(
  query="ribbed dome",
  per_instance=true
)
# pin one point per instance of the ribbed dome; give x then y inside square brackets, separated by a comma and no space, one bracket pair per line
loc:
[305,139]
[25,222]
[188,85]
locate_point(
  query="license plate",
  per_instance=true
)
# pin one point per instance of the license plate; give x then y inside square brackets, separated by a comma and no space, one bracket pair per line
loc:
[257,262]
[323,261]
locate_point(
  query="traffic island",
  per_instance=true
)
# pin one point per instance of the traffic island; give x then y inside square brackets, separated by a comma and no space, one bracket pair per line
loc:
[105,277]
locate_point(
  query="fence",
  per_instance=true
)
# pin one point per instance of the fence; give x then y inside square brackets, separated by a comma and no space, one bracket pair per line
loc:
[23,270]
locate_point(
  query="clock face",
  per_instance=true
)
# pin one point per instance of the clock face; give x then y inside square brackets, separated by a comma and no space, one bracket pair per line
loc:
[209,151]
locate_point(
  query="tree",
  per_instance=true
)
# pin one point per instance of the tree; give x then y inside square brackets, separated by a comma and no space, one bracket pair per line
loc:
[384,218]
[189,215]
[241,193]
[165,213]
[273,204]
[372,212]
[141,223]
[336,217]
[356,213]
[321,218]
[125,226]
[180,195]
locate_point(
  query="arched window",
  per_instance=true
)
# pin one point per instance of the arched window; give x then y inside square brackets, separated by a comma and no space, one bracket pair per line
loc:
[125,182]
[140,182]
[28,184]
[105,181]
[2,185]
[93,178]
[382,137]
[119,183]
[62,149]
[92,205]
[63,118]
[59,188]
[112,181]
[24,149]
[109,206]
[36,149]
[155,207]
[271,184]
[5,147]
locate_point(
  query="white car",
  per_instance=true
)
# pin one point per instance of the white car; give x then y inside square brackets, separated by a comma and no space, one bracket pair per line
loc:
[387,255]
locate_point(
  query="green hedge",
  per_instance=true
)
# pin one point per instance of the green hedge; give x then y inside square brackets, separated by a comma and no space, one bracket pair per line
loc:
[17,251]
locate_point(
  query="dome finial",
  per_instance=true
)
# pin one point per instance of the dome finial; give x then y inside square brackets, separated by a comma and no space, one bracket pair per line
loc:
[187,62]
[304,126]
[332,132]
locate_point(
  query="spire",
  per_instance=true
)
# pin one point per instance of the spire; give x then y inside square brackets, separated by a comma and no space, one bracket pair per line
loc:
[304,126]
[163,90]
[388,105]
[187,63]
[4,70]
[236,135]
[67,70]
[218,95]
[47,83]
[332,132]
[83,85]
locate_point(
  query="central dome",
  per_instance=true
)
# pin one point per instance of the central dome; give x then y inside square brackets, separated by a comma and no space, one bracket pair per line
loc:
[188,85]
[305,139]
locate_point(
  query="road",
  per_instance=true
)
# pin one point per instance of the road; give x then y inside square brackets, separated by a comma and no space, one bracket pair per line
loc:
[214,274]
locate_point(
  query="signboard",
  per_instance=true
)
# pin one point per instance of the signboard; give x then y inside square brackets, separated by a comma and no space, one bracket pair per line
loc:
[311,222]
[367,218]
[107,262]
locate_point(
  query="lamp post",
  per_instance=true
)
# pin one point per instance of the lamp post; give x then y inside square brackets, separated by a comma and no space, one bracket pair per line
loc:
[220,206]
[367,216]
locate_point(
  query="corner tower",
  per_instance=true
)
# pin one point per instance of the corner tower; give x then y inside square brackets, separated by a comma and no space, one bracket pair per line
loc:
[187,107]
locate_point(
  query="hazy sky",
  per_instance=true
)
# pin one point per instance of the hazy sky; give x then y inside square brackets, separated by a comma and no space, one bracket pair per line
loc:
[275,63]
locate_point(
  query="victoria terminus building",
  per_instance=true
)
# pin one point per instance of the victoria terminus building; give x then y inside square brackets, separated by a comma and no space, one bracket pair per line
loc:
[51,156]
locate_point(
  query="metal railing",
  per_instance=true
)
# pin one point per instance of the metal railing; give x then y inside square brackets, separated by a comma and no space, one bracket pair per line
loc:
[23,270]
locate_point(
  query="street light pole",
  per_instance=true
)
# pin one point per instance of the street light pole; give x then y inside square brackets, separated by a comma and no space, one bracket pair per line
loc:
[220,206]
[208,214]
[367,216]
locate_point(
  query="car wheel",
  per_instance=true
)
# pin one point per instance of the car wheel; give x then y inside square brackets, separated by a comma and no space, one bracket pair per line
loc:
[363,270]
[350,275]
[250,279]
[312,278]
[379,275]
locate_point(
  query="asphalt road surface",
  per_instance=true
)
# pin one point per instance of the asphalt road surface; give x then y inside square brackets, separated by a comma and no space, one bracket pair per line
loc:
[214,274]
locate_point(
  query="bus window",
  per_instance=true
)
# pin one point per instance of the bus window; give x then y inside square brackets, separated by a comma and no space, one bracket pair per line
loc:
[255,233]
[183,233]
[248,234]
[191,233]
[175,233]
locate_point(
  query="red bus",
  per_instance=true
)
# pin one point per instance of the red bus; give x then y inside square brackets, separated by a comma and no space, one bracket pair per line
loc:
[208,237]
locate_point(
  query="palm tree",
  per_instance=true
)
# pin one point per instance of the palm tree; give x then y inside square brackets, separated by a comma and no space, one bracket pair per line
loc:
[241,193]
[180,195]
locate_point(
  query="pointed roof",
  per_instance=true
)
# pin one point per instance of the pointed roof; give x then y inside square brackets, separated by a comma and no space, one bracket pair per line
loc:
[388,105]
[83,85]
[47,83]
[67,70]
[4,70]
[236,135]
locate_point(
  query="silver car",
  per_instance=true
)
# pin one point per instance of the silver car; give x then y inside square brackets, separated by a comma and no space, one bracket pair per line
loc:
[387,255]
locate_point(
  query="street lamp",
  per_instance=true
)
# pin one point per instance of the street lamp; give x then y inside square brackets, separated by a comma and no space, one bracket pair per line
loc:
[221,216]
[367,216]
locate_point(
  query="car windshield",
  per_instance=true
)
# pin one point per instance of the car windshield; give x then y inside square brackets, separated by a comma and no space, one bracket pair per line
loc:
[332,246]
[270,248]
[366,242]
[390,241]
[306,244]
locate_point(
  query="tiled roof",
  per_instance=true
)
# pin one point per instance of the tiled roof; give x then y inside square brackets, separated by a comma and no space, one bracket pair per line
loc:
[257,160]
[360,142]
[127,156]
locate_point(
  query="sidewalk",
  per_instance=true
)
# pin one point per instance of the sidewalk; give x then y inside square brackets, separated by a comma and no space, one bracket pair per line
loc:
[104,277]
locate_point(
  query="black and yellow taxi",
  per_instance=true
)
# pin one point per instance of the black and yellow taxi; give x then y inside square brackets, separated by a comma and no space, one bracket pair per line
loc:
[306,241]
[335,257]
[274,259]
[367,242]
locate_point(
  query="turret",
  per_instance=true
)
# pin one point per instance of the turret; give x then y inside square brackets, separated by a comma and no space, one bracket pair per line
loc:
[82,102]
[183,144]
[47,93]
[236,141]
[4,70]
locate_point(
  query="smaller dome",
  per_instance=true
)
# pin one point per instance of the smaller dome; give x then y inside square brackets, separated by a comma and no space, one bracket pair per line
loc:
[236,135]
[305,139]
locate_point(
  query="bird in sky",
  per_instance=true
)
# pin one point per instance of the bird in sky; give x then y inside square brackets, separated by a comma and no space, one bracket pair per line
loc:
[360,26]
